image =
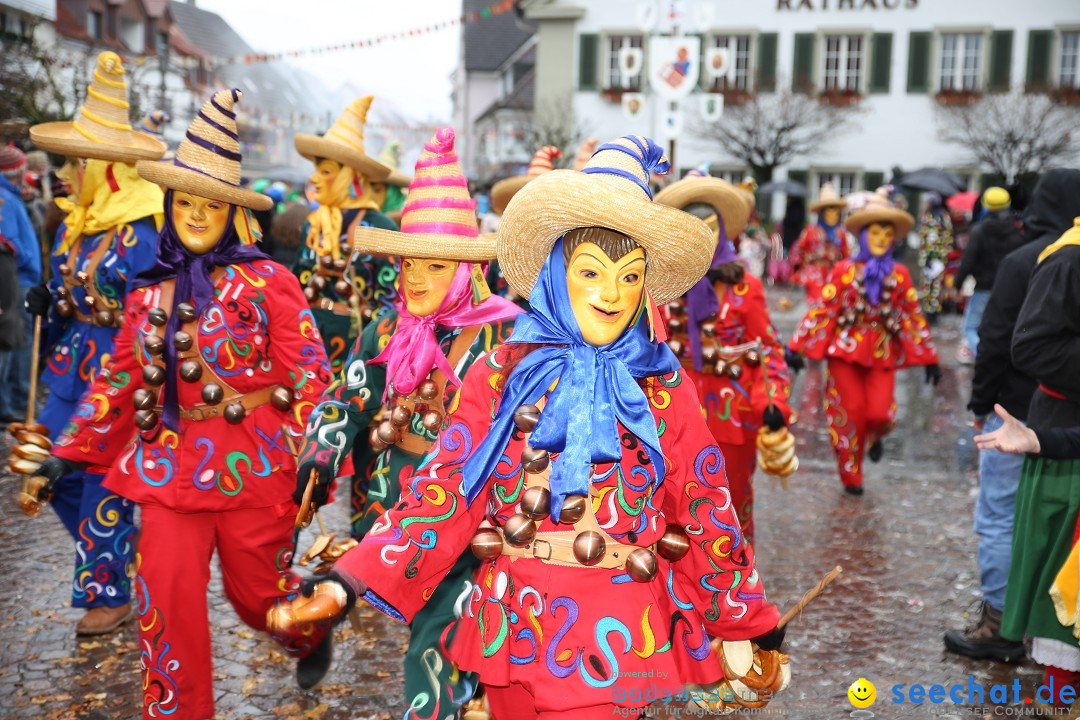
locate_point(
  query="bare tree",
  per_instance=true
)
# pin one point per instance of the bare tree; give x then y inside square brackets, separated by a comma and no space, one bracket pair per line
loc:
[1014,133]
[770,130]
[554,123]
[31,87]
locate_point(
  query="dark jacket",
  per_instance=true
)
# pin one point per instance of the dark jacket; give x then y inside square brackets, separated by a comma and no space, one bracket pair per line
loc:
[1059,443]
[1054,204]
[992,238]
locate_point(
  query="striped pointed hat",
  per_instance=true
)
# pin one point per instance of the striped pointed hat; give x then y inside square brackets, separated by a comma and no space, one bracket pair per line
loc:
[390,157]
[585,152]
[207,163]
[543,161]
[101,129]
[439,218]
[344,142]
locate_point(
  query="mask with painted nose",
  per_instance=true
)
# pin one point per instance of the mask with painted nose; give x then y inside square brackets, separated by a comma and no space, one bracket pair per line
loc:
[605,293]
[880,238]
[200,222]
[425,283]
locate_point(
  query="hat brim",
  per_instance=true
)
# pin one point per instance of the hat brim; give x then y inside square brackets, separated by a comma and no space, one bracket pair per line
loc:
[714,192]
[398,179]
[902,221]
[678,245]
[838,203]
[504,191]
[432,246]
[313,147]
[184,180]
[62,138]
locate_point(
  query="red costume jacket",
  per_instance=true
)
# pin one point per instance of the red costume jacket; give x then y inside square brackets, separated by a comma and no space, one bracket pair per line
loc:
[579,634]
[844,325]
[256,333]
[813,256]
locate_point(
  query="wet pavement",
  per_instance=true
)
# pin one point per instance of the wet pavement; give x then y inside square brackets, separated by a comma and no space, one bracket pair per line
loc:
[906,546]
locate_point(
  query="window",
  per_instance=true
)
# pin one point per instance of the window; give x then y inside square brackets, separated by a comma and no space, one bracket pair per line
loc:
[844,62]
[961,61]
[842,182]
[738,47]
[614,77]
[162,43]
[732,176]
[1070,60]
[93,24]
[133,35]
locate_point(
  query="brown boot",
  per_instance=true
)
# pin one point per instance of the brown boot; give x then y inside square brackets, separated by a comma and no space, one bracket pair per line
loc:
[103,620]
[982,638]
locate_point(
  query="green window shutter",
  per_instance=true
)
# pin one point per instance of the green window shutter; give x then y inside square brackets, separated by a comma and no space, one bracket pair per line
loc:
[1001,42]
[987,180]
[880,62]
[918,64]
[588,61]
[799,176]
[766,62]
[872,180]
[1038,59]
[802,70]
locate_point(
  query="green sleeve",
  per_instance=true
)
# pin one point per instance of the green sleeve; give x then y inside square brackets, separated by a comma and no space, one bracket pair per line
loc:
[305,257]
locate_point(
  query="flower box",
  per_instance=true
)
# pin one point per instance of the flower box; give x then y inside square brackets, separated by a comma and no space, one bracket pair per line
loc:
[957,98]
[840,98]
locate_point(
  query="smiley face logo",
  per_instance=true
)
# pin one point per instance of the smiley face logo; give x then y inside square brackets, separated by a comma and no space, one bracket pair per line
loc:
[862,693]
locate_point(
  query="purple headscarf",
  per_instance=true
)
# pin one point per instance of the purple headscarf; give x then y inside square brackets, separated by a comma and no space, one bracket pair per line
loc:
[701,300]
[193,284]
[876,268]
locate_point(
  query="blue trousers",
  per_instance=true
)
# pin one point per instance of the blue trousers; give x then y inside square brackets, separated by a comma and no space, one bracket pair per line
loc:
[101,523]
[973,312]
[999,476]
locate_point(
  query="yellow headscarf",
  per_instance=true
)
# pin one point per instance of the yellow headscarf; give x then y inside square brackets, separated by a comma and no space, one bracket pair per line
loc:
[324,230]
[111,194]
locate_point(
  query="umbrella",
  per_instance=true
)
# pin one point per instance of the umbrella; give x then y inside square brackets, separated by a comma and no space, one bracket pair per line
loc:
[962,201]
[787,187]
[931,179]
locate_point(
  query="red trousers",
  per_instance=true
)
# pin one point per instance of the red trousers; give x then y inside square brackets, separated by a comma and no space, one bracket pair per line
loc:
[173,563]
[514,702]
[739,464]
[858,403]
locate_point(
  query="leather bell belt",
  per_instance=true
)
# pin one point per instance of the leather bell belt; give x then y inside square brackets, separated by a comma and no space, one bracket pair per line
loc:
[557,548]
[338,308]
[247,401]
[101,318]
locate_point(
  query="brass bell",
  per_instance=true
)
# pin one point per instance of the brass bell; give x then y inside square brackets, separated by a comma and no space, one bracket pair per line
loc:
[400,416]
[182,341]
[519,530]
[388,434]
[343,288]
[104,318]
[319,283]
[64,308]
[145,399]
[589,547]
[641,565]
[674,544]
[708,329]
[675,308]
[676,347]
[326,261]
[157,317]
[536,502]
[65,269]
[526,417]
[62,291]
[366,313]
[860,307]
[486,544]
[281,398]
[153,375]
[341,264]
[752,358]
[309,293]
[146,419]
[886,296]
[212,393]
[535,460]
[573,509]
[190,371]
[709,355]
[376,442]
[734,371]
[90,300]
[154,345]
[82,277]
[428,390]
[675,325]
[721,367]
[432,421]
[185,312]
[234,413]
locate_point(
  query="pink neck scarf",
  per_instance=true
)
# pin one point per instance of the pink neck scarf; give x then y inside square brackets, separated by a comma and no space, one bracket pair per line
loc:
[413,352]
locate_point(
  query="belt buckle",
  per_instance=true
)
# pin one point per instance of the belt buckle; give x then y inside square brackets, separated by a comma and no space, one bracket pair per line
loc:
[536,547]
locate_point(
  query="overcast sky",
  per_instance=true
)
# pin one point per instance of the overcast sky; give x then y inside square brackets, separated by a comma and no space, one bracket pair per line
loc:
[412,75]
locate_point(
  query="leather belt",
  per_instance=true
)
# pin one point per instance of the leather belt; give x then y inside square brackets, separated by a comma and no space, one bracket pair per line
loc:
[118,318]
[249,401]
[557,548]
[338,308]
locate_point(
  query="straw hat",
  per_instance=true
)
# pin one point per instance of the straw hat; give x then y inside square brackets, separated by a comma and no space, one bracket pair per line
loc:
[153,121]
[747,188]
[439,218]
[880,209]
[720,195]
[101,129]
[612,191]
[344,142]
[543,161]
[390,157]
[584,152]
[828,198]
[207,163]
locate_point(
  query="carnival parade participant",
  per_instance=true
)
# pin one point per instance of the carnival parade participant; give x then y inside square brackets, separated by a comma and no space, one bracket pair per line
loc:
[576,463]
[867,326]
[343,287]
[214,373]
[108,237]
[936,242]
[725,340]
[820,246]
[389,194]
[407,366]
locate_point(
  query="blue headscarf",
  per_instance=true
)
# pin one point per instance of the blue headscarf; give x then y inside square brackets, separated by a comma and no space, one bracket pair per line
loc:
[596,388]
[876,268]
[830,230]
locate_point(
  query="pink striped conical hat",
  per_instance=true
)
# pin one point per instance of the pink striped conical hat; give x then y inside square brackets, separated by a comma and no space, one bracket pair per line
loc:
[543,161]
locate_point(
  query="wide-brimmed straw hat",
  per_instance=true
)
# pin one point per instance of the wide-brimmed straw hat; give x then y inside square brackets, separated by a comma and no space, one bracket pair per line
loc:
[207,163]
[612,192]
[828,198]
[101,129]
[344,142]
[720,195]
[439,218]
[879,209]
[543,161]
[390,157]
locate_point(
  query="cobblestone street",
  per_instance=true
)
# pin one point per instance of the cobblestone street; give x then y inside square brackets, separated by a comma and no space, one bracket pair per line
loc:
[906,546]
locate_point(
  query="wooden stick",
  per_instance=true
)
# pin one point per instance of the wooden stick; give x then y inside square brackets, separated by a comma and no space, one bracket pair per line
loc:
[31,401]
[322,527]
[809,596]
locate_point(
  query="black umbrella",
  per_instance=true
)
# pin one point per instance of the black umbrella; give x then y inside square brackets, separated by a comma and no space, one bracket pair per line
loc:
[787,187]
[931,179]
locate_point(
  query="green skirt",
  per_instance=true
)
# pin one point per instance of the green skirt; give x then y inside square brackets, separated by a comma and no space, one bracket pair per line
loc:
[1047,504]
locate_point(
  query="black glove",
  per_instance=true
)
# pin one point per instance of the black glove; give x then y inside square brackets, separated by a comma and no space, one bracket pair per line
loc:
[771,640]
[322,484]
[773,418]
[794,360]
[54,468]
[933,374]
[38,300]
